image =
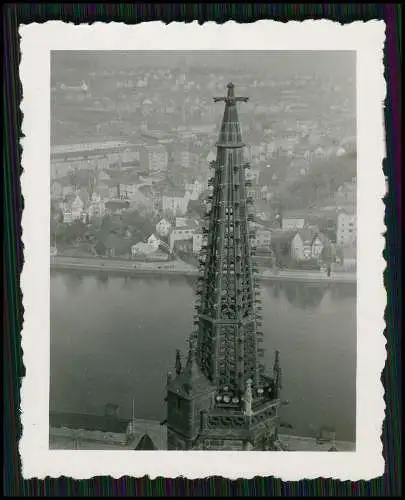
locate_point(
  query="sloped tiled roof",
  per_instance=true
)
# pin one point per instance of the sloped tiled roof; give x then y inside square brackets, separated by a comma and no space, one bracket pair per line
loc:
[280,236]
[174,193]
[186,223]
[88,422]
[117,204]
[306,235]
[145,443]
[191,381]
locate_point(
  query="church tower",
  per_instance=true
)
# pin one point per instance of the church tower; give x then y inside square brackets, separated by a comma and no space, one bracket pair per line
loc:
[222,399]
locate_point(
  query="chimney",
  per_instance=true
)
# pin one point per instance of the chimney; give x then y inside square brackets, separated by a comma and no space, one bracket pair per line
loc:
[111,410]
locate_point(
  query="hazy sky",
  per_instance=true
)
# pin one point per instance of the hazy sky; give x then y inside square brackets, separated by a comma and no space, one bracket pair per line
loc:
[281,62]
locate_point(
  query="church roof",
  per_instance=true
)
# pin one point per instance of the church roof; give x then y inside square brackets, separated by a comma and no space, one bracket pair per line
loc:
[191,381]
[145,443]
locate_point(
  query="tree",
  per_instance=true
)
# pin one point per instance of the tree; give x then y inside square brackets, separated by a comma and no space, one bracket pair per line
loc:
[196,207]
[138,224]
[322,180]
[100,248]
[73,232]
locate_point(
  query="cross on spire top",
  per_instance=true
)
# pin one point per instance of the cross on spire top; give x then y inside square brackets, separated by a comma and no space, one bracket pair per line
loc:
[231,98]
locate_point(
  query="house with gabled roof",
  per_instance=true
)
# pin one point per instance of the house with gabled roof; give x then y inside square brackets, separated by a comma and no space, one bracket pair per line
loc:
[184,230]
[175,201]
[301,245]
[308,243]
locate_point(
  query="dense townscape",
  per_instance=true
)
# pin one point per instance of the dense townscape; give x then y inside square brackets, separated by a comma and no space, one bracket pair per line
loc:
[131,147]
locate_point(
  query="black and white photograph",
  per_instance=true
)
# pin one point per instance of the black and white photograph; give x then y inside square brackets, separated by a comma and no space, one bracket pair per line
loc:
[210,198]
[203,260]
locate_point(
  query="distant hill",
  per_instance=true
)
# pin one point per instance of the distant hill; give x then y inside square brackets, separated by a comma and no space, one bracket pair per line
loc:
[323,179]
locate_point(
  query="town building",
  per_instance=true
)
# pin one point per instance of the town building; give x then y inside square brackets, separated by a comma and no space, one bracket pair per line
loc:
[221,398]
[349,258]
[301,245]
[262,238]
[258,193]
[141,249]
[153,242]
[96,207]
[81,431]
[93,156]
[346,233]
[184,230]
[195,189]
[163,227]
[67,216]
[153,158]
[199,239]
[293,221]
[309,244]
[175,201]
[73,210]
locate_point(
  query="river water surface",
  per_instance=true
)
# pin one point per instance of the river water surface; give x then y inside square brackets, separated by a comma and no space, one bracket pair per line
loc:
[114,339]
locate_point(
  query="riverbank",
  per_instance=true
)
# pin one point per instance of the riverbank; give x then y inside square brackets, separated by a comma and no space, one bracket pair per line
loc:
[181,268]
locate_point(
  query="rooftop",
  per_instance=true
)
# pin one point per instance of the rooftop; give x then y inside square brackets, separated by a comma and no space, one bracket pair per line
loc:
[117,204]
[145,443]
[88,422]
[143,434]
[85,148]
[174,193]
[148,433]
[154,147]
[186,223]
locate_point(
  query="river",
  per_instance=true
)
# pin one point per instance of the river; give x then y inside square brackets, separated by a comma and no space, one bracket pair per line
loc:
[113,339]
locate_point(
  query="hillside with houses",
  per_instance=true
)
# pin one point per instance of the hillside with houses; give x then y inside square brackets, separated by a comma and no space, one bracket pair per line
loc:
[131,150]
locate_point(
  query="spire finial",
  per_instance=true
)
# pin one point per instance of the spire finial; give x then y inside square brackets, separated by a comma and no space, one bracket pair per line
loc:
[231,90]
[230,98]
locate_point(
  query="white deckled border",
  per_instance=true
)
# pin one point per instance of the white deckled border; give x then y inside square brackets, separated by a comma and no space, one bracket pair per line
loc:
[36,42]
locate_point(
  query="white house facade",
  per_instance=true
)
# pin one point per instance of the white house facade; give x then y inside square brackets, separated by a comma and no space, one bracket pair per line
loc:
[346,233]
[163,227]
